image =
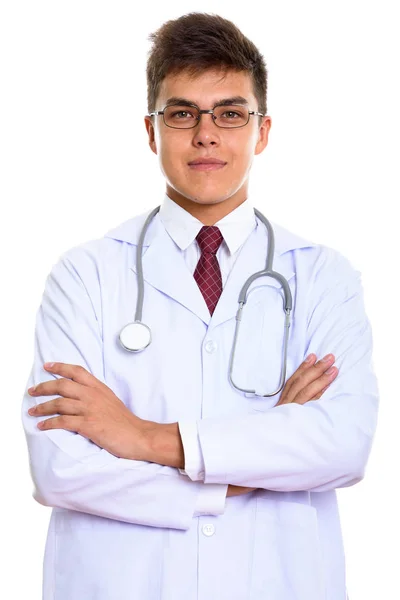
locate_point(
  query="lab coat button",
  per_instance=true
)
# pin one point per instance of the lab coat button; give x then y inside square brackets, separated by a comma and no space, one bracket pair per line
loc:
[211,346]
[208,529]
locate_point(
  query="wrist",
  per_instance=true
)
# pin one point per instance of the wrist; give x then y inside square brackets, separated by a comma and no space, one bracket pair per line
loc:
[163,444]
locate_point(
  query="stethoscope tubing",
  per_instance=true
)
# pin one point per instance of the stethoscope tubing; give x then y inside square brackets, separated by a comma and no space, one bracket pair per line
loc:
[243,297]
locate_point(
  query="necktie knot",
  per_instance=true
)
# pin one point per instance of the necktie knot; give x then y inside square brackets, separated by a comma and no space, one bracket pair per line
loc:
[209,239]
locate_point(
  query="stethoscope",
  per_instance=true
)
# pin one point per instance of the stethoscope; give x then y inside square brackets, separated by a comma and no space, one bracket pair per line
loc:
[136,336]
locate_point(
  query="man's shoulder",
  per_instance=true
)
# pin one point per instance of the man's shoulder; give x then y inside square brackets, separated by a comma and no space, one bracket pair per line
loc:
[318,258]
[287,240]
[129,231]
[107,246]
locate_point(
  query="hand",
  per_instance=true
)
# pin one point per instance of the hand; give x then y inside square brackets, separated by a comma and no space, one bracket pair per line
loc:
[90,408]
[309,381]
[238,490]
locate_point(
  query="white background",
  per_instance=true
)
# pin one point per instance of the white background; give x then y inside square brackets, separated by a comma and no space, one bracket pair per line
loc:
[75,162]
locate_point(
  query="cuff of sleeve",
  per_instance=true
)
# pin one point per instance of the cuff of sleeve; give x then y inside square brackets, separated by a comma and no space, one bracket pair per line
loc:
[194,463]
[211,500]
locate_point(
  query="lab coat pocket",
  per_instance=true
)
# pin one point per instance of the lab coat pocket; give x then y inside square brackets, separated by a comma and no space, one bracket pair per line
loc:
[287,561]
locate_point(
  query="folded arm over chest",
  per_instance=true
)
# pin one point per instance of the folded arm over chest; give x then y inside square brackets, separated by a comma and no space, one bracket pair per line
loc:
[70,471]
[323,444]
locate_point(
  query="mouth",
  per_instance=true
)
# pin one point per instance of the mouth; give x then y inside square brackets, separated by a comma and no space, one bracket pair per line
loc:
[206,164]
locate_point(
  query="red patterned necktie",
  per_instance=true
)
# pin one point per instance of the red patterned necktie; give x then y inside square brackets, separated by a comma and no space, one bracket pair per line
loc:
[208,272]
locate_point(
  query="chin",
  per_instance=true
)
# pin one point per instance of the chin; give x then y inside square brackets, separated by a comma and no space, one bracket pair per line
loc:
[213,194]
[211,198]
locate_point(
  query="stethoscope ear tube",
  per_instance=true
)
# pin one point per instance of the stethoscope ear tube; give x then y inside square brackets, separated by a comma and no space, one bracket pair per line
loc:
[139,265]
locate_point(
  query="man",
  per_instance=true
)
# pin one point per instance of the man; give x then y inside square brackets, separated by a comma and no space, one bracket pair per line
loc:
[168,480]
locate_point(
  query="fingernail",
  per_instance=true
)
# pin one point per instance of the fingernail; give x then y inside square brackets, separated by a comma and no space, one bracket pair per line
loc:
[330,371]
[327,358]
[309,358]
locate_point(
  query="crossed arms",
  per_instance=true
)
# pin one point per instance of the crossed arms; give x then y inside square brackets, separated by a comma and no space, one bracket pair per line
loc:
[321,445]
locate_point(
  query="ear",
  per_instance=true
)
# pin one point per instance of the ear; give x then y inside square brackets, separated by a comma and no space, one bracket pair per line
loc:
[150,131]
[263,135]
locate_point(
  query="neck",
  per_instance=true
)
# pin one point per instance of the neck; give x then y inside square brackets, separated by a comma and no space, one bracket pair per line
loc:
[208,213]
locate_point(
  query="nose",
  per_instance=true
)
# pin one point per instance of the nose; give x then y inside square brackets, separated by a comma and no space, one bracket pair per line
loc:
[206,133]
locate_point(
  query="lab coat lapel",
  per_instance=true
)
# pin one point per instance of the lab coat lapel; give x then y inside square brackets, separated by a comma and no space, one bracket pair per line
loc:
[164,268]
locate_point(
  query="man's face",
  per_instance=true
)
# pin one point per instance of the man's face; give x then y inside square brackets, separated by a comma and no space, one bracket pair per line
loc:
[176,148]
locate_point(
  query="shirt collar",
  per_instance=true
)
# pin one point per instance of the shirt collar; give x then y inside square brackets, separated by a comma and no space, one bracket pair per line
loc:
[130,230]
[183,228]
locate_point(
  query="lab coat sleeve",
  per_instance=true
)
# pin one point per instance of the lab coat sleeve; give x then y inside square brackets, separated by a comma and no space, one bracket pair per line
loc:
[211,500]
[194,463]
[212,497]
[68,470]
[325,443]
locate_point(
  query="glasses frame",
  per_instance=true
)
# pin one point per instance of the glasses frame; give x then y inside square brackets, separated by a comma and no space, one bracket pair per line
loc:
[205,112]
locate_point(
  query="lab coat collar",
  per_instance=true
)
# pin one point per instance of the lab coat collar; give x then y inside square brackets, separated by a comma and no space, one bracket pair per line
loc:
[164,266]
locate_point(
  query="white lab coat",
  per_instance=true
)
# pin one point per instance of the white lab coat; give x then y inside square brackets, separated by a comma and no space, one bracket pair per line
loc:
[123,529]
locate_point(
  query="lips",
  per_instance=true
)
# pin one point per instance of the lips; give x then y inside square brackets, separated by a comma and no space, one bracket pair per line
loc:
[206,161]
[207,164]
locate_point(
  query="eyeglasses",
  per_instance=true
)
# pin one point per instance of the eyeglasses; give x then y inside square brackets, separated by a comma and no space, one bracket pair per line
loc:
[187,117]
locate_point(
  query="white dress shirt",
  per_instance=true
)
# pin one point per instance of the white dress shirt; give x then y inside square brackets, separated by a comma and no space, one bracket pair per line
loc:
[183,228]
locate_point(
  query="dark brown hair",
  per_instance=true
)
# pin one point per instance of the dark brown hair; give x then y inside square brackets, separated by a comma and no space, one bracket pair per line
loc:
[197,42]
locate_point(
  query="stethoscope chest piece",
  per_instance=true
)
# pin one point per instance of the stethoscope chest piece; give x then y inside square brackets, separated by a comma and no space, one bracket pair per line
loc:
[135,336]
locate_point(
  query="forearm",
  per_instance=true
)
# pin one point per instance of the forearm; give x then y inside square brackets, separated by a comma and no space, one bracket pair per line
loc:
[165,448]
[314,447]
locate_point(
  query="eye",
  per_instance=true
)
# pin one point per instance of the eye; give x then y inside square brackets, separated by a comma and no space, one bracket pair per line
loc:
[182,114]
[230,114]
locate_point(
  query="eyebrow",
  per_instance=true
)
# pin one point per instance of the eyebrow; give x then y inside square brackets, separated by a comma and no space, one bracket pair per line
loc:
[176,100]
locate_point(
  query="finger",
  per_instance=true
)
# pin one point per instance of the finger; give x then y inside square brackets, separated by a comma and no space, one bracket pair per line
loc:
[63,422]
[306,364]
[62,406]
[316,387]
[76,373]
[62,387]
[320,393]
[316,397]
[305,377]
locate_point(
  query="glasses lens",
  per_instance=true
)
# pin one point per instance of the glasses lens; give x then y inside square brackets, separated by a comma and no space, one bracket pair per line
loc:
[181,117]
[231,116]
